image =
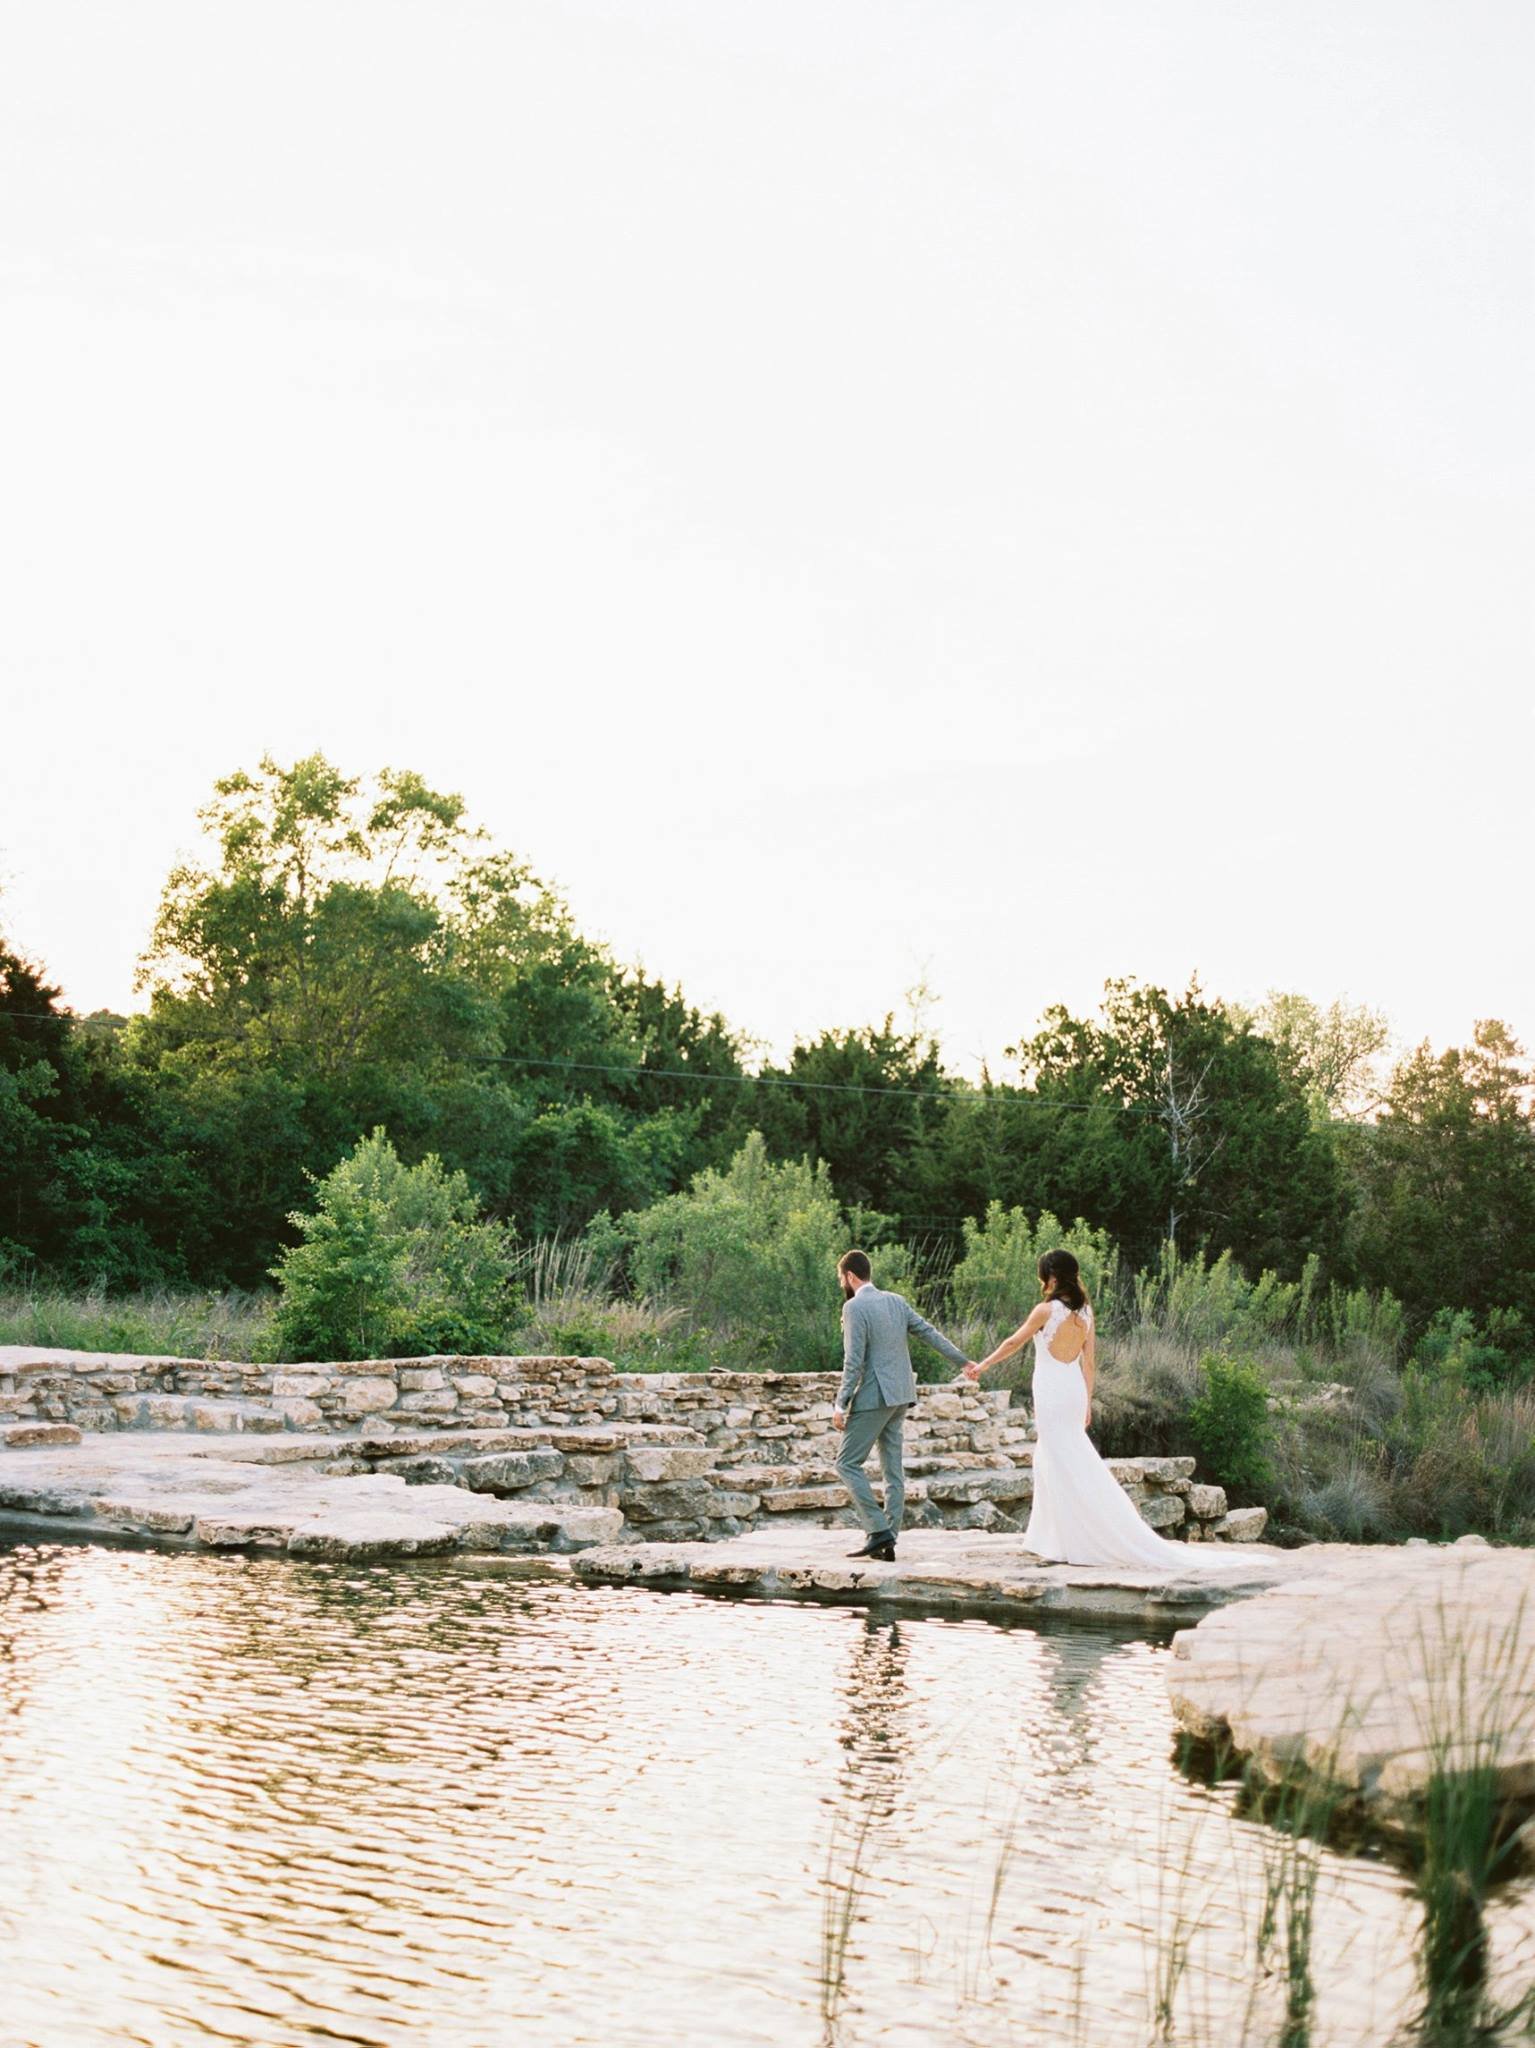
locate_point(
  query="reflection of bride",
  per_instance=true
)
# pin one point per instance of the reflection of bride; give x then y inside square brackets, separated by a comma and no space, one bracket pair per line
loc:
[1081,1514]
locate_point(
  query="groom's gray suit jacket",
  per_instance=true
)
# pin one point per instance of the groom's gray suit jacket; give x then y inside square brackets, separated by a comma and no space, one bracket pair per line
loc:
[876,1361]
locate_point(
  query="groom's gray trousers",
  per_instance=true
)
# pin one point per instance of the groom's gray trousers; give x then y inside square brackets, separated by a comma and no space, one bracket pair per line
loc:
[866,1427]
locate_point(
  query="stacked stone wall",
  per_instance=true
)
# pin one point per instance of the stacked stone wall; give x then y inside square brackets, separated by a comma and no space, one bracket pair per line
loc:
[681,1455]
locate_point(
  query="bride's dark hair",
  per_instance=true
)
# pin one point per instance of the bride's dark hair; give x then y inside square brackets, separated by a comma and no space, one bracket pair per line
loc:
[1062,1268]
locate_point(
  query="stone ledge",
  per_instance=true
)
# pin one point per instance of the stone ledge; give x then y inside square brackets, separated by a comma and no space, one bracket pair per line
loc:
[1361,1671]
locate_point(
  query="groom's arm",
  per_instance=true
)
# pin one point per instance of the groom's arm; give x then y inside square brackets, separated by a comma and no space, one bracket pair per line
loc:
[919,1326]
[855,1345]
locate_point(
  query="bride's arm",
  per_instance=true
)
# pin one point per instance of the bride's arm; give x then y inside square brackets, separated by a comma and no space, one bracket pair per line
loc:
[1016,1342]
[1090,1367]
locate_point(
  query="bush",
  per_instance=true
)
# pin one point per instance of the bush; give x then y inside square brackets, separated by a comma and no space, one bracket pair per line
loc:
[1229,1425]
[393,1263]
[997,1275]
[751,1254]
[1479,1356]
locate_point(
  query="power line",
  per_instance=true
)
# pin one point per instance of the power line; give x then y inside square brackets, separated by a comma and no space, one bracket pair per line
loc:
[988,1095]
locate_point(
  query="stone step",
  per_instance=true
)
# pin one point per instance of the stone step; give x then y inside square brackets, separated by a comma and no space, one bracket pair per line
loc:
[966,1487]
[596,1440]
[26,1436]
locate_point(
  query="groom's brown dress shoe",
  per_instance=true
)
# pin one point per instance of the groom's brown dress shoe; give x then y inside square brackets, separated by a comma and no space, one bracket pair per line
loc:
[881,1548]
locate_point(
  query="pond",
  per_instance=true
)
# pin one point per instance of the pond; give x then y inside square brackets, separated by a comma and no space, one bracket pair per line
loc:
[255,1802]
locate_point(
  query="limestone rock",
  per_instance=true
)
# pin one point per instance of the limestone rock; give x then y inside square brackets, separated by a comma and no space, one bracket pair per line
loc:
[369,1533]
[299,1414]
[1208,1503]
[141,1514]
[238,1529]
[1241,1525]
[302,1386]
[566,1528]
[738,1506]
[1017,1484]
[422,1471]
[584,1468]
[684,1500]
[367,1395]
[21,1436]
[647,1464]
[797,1499]
[511,1471]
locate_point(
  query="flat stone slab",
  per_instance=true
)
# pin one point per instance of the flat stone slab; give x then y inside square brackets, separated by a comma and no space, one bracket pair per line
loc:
[1371,1670]
[936,1568]
[297,1494]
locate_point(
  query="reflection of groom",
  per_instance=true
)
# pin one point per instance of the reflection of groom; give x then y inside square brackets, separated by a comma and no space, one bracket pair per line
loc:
[878,1386]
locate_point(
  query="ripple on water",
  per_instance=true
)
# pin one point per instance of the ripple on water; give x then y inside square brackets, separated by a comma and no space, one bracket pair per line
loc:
[258,1802]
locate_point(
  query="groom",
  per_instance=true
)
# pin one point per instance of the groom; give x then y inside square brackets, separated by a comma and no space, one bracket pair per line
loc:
[878,1386]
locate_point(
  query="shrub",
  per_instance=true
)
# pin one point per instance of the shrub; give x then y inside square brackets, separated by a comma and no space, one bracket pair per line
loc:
[1480,1356]
[1351,1506]
[1205,1302]
[1229,1424]
[751,1254]
[996,1277]
[393,1262]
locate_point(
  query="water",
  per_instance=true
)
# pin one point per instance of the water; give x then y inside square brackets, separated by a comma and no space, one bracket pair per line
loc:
[255,1802]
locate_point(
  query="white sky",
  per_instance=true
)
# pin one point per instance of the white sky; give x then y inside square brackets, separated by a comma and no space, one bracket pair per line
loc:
[1057,475]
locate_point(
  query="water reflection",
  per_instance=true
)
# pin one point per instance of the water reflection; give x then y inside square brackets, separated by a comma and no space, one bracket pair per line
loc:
[271,1804]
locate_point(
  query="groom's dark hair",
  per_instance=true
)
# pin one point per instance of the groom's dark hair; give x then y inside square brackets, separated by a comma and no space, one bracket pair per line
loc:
[856,1263]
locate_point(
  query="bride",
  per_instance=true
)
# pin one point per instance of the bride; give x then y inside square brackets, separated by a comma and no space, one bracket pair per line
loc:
[1081,1514]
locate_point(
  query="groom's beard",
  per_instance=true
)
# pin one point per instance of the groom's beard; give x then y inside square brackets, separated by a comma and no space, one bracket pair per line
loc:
[848,1290]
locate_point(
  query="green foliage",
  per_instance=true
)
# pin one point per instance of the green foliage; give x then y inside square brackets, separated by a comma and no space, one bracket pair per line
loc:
[351,955]
[1229,1425]
[1330,1053]
[393,1263]
[1477,1354]
[997,1274]
[1447,1180]
[751,1254]
[1177,1121]
[867,1103]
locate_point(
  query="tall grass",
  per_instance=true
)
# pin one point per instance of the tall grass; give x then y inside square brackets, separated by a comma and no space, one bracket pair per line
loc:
[1476,1674]
[574,1311]
[223,1325]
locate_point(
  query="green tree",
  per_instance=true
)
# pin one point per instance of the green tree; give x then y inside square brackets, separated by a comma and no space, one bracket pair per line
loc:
[86,1179]
[355,955]
[1190,1131]
[1330,1053]
[1447,1178]
[393,1261]
[318,945]
[866,1102]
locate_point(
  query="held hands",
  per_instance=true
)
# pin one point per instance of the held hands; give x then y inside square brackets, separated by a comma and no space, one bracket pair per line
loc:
[838,1419]
[973,1371]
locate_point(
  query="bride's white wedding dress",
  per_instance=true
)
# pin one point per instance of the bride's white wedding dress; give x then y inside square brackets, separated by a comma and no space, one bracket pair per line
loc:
[1081,1513]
